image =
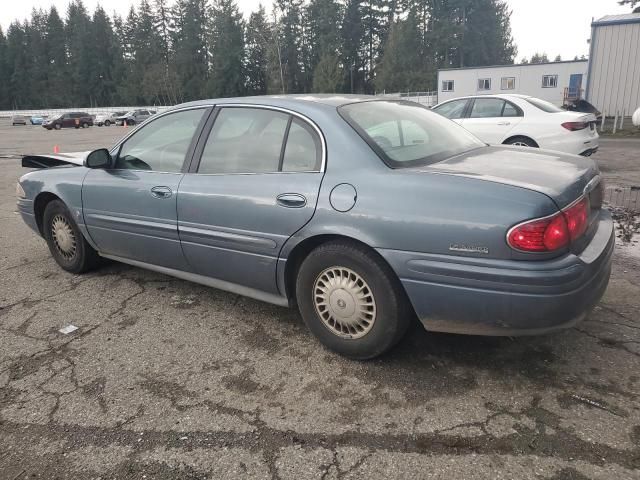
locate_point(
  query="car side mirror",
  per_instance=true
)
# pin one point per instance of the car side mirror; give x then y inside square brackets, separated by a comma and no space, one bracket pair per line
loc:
[100,158]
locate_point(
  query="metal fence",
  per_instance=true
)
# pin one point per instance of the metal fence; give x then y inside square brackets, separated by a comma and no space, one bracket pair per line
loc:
[428,99]
[51,112]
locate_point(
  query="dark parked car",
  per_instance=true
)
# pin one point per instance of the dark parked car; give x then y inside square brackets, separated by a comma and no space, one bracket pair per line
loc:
[134,117]
[364,213]
[69,120]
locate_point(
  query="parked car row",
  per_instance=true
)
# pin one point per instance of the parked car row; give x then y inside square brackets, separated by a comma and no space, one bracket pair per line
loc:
[84,119]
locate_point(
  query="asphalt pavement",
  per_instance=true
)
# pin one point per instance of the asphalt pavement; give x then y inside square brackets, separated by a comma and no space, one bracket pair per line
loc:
[167,379]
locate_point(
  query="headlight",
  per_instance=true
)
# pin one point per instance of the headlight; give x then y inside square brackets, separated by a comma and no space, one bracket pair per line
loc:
[20,191]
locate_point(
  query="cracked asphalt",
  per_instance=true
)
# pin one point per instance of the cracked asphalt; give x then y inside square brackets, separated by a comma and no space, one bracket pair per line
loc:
[167,379]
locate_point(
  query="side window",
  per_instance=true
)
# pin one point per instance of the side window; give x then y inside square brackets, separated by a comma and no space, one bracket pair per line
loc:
[487,108]
[447,85]
[510,110]
[244,140]
[508,83]
[303,151]
[452,110]
[161,145]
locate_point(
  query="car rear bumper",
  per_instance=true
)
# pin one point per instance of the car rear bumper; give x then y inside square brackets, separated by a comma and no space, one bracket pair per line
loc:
[583,142]
[478,296]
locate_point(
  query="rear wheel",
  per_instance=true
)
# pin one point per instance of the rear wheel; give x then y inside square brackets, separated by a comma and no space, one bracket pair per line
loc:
[107,123]
[351,300]
[58,126]
[66,243]
[522,142]
[85,125]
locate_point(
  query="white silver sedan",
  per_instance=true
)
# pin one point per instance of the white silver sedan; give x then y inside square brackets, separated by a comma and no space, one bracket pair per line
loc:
[525,121]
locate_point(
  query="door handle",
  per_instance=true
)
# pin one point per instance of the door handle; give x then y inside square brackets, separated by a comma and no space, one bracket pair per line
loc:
[504,123]
[291,200]
[161,192]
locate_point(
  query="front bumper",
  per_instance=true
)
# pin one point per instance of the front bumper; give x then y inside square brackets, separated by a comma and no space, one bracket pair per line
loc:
[25,208]
[506,297]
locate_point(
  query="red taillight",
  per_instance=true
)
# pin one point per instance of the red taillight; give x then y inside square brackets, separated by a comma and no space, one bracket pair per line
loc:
[577,217]
[551,233]
[574,126]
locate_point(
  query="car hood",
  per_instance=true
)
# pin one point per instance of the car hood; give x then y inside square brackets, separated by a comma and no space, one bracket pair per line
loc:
[561,176]
[55,160]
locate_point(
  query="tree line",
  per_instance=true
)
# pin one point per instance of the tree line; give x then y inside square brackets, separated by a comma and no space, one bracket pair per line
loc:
[171,51]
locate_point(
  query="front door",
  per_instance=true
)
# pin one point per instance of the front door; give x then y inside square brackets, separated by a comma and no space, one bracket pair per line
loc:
[491,119]
[130,210]
[256,184]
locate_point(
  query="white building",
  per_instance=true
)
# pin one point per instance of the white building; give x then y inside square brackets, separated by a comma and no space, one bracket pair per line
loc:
[610,80]
[613,84]
[555,82]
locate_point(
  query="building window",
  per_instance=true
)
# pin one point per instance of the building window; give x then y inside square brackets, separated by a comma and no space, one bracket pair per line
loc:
[484,84]
[508,83]
[447,85]
[549,81]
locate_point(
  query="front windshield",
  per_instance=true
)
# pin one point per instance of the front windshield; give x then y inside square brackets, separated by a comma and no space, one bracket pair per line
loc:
[406,134]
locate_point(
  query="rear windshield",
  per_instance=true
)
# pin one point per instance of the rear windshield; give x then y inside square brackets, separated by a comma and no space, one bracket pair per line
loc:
[543,105]
[406,134]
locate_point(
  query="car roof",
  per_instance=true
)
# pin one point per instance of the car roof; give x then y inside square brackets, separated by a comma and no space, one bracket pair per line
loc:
[504,96]
[332,100]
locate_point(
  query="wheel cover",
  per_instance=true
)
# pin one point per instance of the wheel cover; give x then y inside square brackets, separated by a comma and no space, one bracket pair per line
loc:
[520,144]
[63,237]
[344,302]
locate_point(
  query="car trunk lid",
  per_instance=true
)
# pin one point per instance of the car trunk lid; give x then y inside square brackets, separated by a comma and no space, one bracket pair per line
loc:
[560,176]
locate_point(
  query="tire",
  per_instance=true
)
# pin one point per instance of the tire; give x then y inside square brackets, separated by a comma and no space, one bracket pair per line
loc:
[85,125]
[107,123]
[387,311]
[522,142]
[68,246]
[131,123]
[57,126]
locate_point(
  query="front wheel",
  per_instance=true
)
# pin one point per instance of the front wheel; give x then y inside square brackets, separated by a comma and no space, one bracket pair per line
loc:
[107,123]
[58,126]
[66,243]
[351,300]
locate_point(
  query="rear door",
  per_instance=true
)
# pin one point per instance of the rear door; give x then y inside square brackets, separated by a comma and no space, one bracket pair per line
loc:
[491,119]
[130,210]
[254,183]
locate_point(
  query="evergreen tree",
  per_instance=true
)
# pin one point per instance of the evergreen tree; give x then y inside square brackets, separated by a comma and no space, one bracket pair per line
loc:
[539,58]
[257,40]
[191,56]
[631,3]
[289,30]
[227,69]
[78,31]
[17,61]
[352,34]
[101,79]
[56,65]
[327,76]
[402,67]
[4,72]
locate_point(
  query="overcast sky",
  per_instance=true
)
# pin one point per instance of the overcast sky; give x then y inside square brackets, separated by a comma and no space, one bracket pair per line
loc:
[552,26]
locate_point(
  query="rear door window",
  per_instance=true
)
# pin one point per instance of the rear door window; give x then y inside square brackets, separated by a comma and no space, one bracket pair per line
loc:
[487,108]
[303,152]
